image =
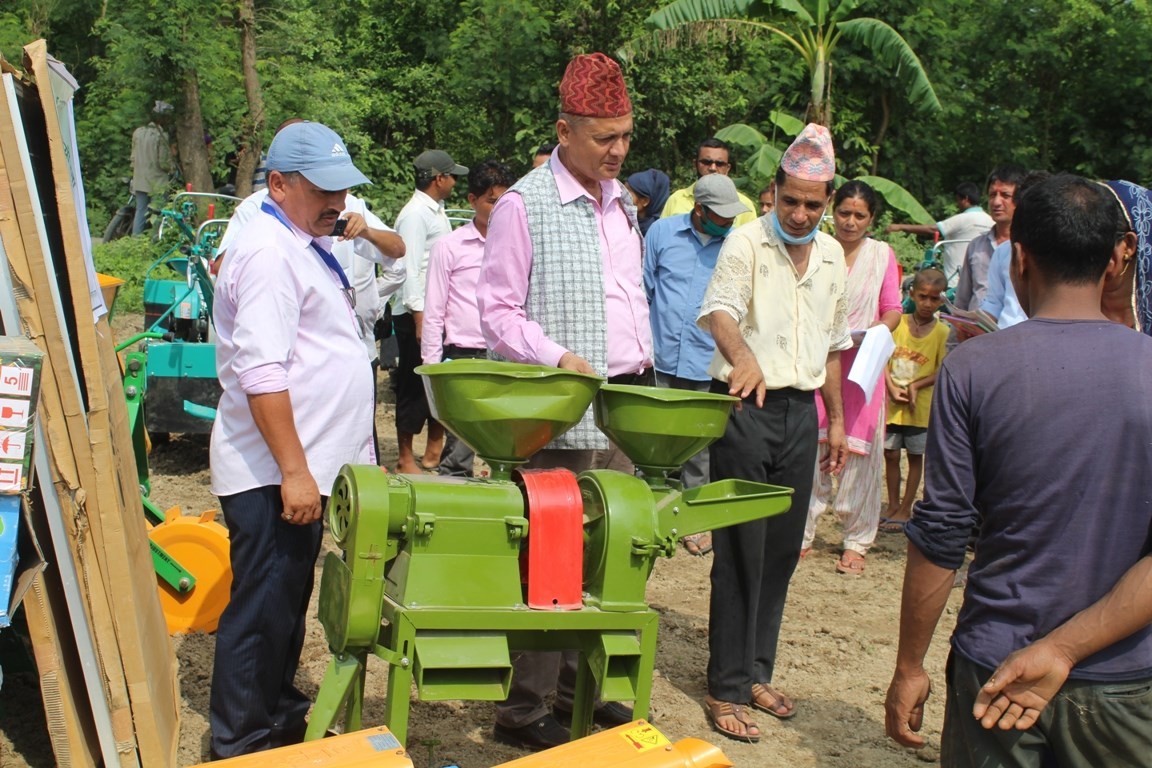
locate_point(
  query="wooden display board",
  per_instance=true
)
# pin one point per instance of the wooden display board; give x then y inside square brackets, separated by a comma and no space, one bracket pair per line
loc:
[91,468]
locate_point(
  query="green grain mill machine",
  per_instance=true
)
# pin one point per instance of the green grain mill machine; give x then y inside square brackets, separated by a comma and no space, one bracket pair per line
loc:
[445,579]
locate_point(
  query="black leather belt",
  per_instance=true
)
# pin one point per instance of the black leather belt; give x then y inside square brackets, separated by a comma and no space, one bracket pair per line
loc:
[643,379]
[457,353]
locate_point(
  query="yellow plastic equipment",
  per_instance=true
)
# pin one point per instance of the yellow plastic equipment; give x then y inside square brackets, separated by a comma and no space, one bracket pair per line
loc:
[370,748]
[199,544]
[636,745]
[109,287]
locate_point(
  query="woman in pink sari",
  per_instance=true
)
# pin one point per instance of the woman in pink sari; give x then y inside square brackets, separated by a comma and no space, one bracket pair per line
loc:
[873,299]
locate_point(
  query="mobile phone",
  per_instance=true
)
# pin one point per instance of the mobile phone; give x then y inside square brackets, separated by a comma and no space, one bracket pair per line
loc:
[338,229]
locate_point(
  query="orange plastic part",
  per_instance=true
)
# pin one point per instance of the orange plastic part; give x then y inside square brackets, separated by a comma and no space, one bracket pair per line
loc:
[636,745]
[200,544]
[555,539]
[370,748]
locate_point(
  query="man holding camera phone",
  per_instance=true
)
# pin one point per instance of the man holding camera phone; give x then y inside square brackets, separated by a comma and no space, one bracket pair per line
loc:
[360,241]
[284,319]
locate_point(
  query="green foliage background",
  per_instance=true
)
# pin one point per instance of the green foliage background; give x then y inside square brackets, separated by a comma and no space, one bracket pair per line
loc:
[1058,84]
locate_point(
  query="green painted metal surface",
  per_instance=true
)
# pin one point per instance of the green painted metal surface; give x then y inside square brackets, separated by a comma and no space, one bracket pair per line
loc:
[660,428]
[430,579]
[134,385]
[462,664]
[506,411]
[170,571]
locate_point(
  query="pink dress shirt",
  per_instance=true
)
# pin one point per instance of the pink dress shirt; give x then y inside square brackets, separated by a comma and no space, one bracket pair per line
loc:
[507,268]
[450,312]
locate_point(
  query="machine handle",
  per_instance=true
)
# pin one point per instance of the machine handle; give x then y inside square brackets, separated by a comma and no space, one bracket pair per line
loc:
[425,523]
[517,527]
[646,547]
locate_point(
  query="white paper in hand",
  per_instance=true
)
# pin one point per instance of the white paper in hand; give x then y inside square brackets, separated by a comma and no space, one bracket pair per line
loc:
[871,359]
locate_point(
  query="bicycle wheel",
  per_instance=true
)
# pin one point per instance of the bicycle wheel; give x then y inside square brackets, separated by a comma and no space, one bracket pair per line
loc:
[121,224]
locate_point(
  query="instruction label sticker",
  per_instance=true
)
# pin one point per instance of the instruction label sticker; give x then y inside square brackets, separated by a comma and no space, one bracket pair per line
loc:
[11,478]
[382,742]
[14,413]
[12,445]
[16,380]
[645,737]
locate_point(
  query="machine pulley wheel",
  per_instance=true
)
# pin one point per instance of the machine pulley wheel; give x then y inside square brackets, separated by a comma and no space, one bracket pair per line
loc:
[199,544]
[341,509]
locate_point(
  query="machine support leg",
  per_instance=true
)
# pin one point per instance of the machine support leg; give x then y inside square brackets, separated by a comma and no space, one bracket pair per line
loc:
[583,698]
[344,671]
[400,678]
[647,669]
[353,714]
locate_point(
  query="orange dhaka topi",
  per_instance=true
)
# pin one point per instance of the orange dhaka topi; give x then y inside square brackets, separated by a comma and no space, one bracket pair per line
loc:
[593,86]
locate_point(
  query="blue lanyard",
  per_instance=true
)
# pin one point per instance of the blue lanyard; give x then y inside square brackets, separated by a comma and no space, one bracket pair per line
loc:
[330,260]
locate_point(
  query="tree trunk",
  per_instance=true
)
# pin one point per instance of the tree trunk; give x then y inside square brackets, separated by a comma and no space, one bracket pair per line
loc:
[885,120]
[190,136]
[253,127]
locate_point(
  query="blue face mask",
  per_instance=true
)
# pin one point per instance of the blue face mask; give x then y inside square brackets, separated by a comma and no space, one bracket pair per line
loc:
[789,239]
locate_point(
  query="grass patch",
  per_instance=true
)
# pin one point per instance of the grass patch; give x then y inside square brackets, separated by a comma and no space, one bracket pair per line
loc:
[128,259]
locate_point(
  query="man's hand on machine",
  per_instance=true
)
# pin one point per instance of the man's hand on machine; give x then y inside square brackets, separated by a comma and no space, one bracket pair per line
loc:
[573,362]
[745,378]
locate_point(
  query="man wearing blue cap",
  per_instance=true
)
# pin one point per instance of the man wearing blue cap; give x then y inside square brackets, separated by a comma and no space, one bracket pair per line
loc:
[296,406]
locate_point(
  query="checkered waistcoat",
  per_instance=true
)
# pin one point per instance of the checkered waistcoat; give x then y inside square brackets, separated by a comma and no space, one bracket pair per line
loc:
[566,284]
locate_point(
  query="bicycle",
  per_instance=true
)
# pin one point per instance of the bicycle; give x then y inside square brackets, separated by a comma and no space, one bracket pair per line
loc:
[121,223]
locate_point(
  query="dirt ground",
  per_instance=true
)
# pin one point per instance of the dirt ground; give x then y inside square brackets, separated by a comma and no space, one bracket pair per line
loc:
[837,650]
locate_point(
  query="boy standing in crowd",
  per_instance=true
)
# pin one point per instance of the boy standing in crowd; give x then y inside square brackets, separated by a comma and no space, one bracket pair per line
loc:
[921,342]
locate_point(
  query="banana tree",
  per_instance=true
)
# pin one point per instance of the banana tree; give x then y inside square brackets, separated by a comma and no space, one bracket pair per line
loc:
[814,28]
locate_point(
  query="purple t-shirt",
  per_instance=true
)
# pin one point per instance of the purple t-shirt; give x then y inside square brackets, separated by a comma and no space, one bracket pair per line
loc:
[1041,437]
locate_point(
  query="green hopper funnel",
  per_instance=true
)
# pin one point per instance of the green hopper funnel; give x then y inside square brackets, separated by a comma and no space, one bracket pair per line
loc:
[658,428]
[506,411]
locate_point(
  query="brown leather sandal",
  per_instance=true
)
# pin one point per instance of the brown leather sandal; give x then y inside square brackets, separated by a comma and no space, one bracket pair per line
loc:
[722,709]
[767,699]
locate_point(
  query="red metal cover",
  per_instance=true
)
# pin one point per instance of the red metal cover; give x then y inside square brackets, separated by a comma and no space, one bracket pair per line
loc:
[555,539]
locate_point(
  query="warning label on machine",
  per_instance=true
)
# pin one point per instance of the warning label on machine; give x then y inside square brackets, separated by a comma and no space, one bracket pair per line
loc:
[645,737]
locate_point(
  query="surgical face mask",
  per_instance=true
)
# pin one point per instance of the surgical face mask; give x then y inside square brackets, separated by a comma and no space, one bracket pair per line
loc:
[711,228]
[789,239]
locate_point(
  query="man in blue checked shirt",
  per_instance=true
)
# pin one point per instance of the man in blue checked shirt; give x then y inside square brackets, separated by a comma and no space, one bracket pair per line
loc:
[679,256]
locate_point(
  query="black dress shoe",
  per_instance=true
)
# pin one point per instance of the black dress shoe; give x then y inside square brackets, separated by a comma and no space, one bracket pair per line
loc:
[545,733]
[608,715]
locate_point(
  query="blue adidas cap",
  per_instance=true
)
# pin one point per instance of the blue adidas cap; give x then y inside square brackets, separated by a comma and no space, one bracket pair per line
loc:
[317,153]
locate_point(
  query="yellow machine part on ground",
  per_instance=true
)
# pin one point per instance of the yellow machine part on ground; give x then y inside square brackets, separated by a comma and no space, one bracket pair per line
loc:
[200,544]
[370,748]
[636,745]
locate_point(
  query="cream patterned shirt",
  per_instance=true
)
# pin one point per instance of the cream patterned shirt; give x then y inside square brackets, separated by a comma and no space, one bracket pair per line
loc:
[789,322]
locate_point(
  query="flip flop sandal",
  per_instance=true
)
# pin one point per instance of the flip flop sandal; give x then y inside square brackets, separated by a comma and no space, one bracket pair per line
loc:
[891,525]
[723,709]
[698,544]
[777,700]
[850,566]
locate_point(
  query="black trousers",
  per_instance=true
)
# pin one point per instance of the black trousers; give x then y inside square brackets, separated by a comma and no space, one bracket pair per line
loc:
[254,704]
[412,411]
[753,562]
[458,459]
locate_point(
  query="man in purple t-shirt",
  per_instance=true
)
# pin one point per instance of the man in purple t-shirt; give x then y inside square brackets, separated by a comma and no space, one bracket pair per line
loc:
[1030,427]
